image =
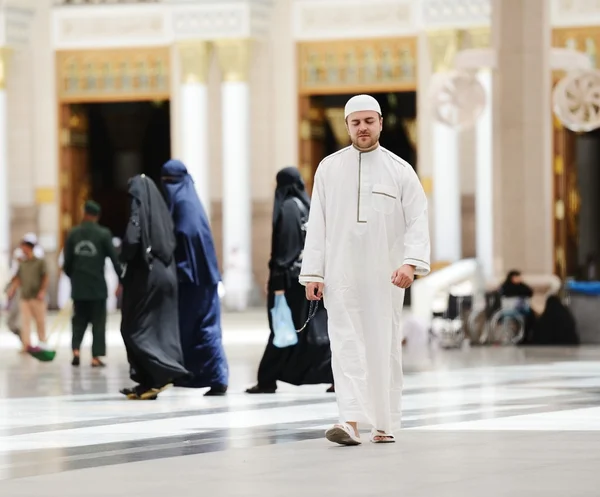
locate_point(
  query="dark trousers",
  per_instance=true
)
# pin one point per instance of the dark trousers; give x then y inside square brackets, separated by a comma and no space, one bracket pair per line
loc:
[92,312]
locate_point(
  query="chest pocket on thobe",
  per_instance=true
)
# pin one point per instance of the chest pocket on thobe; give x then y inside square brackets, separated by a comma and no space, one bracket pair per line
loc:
[383,198]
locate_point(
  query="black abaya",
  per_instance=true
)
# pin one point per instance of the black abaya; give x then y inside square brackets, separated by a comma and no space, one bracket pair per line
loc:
[306,362]
[302,364]
[149,323]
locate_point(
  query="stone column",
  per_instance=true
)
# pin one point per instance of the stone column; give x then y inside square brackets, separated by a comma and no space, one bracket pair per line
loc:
[522,136]
[4,197]
[233,58]
[447,228]
[484,187]
[194,116]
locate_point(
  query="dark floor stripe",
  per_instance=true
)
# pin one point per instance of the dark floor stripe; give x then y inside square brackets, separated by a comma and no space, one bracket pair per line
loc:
[27,430]
[47,461]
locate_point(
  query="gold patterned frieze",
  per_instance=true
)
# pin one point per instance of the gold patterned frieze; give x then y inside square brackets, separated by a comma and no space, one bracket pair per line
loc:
[585,39]
[445,44]
[234,59]
[119,73]
[3,67]
[476,38]
[443,47]
[385,64]
[194,56]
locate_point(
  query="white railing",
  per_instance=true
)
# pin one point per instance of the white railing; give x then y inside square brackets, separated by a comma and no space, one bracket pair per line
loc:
[425,290]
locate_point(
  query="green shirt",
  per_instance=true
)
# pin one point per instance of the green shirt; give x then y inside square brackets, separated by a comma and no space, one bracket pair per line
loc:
[86,249]
[31,275]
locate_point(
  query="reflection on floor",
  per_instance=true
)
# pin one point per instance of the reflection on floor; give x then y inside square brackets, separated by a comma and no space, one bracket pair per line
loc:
[493,420]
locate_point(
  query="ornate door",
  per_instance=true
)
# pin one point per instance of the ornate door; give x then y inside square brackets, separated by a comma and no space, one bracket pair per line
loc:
[312,135]
[566,202]
[74,168]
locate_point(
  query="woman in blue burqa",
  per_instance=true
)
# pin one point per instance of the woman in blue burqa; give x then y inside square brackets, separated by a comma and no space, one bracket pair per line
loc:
[199,277]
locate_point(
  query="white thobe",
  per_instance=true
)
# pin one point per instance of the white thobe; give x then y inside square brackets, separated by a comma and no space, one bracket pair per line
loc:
[368,217]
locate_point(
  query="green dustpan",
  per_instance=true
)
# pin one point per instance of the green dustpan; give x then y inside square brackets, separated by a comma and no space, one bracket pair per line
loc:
[42,355]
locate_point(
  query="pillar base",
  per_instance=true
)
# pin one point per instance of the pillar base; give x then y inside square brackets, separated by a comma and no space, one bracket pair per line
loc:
[238,290]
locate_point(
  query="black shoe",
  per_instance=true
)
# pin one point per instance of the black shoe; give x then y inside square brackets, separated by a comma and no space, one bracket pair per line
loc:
[216,391]
[75,361]
[331,389]
[258,389]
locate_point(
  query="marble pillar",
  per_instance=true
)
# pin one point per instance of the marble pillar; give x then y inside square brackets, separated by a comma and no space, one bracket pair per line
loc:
[484,187]
[447,228]
[233,58]
[445,160]
[193,114]
[4,198]
[522,139]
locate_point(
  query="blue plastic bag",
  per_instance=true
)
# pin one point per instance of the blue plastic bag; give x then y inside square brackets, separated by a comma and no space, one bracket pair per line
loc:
[283,325]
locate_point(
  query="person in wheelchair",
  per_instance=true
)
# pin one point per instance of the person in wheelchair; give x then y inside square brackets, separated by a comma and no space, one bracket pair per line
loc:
[516,294]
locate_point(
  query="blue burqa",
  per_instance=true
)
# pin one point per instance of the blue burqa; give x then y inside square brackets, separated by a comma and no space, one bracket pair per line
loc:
[199,277]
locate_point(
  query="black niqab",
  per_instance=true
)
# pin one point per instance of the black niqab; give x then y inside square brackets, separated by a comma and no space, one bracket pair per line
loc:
[289,184]
[511,289]
[155,222]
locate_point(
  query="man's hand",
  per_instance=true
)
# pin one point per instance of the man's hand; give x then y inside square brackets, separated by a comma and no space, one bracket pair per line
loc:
[404,276]
[119,291]
[41,295]
[314,291]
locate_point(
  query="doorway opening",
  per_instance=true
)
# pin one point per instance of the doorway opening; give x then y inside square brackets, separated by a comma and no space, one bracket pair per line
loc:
[399,111]
[123,139]
[583,205]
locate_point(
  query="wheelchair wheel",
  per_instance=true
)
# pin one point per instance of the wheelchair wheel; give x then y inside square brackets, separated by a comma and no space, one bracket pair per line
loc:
[449,333]
[507,328]
[477,327]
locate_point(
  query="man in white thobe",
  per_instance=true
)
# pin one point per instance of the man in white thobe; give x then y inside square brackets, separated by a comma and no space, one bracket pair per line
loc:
[367,237]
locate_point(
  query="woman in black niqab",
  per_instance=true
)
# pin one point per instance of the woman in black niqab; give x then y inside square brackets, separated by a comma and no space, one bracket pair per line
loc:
[149,324]
[309,361]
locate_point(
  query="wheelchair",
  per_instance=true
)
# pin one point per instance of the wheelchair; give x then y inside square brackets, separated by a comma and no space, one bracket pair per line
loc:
[448,328]
[501,322]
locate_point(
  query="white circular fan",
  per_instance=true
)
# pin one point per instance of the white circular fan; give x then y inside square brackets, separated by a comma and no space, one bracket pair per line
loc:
[576,100]
[457,98]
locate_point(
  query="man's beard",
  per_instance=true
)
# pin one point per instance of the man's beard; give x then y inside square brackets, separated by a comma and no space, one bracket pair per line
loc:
[365,144]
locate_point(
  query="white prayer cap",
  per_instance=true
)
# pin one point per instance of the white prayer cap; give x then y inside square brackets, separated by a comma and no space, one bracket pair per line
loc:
[30,238]
[116,241]
[359,103]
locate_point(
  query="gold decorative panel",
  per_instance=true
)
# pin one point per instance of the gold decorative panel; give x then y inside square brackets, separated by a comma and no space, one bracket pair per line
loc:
[583,39]
[354,66]
[45,195]
[120,74]
[3,67]
[234,59]
[445,44]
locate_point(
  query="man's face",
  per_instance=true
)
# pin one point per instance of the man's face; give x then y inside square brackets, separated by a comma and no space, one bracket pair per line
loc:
[27,250]
[364,128]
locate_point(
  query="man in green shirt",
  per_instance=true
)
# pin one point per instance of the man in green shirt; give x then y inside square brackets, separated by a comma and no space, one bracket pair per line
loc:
[86,249]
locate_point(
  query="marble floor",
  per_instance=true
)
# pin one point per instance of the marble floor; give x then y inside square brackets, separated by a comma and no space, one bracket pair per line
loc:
[477,421]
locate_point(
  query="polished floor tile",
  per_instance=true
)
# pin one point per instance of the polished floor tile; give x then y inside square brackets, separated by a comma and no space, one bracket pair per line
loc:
[476,420]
